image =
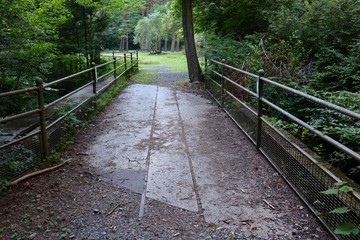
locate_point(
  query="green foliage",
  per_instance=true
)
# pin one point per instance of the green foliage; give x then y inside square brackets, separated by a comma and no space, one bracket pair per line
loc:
[347,229]
[244,54]
[235,18]
[106,97]
[342,228]
[341,210]
[17,160]
[148,33]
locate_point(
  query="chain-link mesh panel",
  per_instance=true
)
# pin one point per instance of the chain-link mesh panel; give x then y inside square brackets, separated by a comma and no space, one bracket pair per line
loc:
[308,178]
[19,158]
[241,114]
[214,89]
[69,125]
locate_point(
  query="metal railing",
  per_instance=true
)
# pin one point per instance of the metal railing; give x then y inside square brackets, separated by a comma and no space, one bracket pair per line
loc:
[45,125]
[306,174]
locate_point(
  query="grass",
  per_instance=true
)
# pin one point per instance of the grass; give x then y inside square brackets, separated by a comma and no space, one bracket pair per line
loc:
[175,60]
[144,76]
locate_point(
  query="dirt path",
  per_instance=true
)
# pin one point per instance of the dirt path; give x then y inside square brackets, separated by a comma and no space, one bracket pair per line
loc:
[171,157]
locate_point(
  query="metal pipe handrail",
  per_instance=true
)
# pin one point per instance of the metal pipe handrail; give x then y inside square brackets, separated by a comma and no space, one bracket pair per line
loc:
[103,64]
[20,115]
[67,114]
[235,83]
[20,139]
[6,94]
[111,82]
[106,74]
[297,92]
[324,137]
[68,77]
[315,99]
[41,86]
[234,68]
[120,66]
[67,95]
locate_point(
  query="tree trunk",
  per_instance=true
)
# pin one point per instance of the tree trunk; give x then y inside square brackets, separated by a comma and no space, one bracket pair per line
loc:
[190,49]
[177,48]
[173,41]
[166,43]
[127,40]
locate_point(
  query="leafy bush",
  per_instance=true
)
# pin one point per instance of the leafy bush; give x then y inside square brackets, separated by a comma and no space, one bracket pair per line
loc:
[15,161]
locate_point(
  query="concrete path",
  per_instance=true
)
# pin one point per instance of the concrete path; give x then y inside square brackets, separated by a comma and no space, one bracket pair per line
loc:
[180,148]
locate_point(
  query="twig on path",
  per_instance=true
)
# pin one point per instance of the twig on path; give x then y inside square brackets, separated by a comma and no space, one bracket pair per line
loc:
[268,204]
[113,209]
[13,183]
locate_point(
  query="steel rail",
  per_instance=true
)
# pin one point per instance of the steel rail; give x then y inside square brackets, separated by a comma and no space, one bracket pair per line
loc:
[9,144]
[315,99]
[5,94]
[106,74]
[235,83]
[326,138]
[234,68]
[70,111]
[297,92]
[103,64]
[68,77]
[25,114]
[67,95]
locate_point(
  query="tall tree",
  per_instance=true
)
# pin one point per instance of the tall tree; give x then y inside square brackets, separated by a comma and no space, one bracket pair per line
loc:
[190,48]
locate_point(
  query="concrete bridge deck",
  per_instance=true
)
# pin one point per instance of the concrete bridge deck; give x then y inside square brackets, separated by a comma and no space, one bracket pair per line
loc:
[181,149]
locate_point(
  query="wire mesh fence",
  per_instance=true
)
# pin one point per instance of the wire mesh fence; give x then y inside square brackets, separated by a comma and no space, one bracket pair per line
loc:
[305,172]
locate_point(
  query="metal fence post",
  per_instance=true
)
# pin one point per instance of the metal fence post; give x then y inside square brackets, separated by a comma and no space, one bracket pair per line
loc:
[137,59]
[260,94]
[115,75]
[131,60]
[44,139]
[94,76]
[125,62]
[205,69]
[93,65]
[222,83]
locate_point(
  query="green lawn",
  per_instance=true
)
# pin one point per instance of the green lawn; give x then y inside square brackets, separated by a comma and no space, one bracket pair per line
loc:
[175,60]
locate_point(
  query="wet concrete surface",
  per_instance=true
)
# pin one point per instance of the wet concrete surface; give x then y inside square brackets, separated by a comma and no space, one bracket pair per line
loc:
[181,149]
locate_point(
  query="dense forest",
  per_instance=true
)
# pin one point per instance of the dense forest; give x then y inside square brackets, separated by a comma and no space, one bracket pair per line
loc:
[313,46]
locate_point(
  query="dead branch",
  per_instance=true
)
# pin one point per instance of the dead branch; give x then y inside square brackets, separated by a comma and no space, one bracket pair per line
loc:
[268,204]
[13,183]
[113,209]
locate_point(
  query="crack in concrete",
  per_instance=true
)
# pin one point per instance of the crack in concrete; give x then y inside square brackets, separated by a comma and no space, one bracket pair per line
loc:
[184,140]
[147,164]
